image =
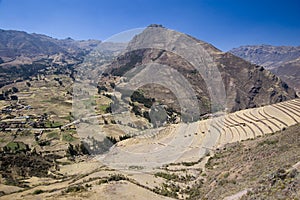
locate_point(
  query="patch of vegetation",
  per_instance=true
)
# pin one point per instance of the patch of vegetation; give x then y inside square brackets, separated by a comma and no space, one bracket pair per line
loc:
[137,110]
[112,85]
[166,176]
[15,147]
[2,140]
[76,150]
[70,117]
[36,192]
[107,95]
[138,96]
[193,191]
[147,116]
[168,190]
[67,137]
[124,137]
[112,139]
[209,164]
[25,133]
[53,135]
[44,143]
[14,167]
[226,174]
[117,177]
[104,108]
[267,142]
[53,124]
[188,164]
[135,167]
[101,88]
[112,177]
[174,177]
[75,188]
[89,102]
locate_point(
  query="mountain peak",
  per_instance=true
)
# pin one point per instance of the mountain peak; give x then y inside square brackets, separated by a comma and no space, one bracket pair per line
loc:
[156,26]
[159,37]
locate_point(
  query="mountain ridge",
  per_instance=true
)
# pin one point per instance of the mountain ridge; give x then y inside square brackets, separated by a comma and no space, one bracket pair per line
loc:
[246,85]
[284,61]
[20,43]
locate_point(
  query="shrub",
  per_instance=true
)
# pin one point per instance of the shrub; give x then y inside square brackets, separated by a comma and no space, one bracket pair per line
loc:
[188,164]
[112,85]
[226,175]
[138,96]
[134,167]
[76,188]
[116,177]
[147,115]
[101,88]
[38,192]
[166,176]
[124,137]
[44,143]
[136,110]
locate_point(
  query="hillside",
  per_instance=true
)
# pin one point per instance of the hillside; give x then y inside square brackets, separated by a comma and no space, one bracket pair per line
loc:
[245,85]
[283,61]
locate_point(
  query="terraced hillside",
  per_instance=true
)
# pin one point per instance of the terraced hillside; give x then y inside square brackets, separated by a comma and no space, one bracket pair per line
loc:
[189,142]
[255,122]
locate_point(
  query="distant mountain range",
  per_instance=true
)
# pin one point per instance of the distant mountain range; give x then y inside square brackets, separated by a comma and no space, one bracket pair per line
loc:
[15,45]
[284,61]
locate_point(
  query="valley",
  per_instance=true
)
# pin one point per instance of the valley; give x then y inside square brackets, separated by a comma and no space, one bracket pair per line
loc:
[166,116]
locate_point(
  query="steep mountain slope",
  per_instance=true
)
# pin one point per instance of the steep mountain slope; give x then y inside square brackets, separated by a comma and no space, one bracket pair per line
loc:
[246,85]
[290,72]
[284,61]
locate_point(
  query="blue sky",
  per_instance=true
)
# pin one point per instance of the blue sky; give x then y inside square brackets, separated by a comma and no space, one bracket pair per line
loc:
[224,23]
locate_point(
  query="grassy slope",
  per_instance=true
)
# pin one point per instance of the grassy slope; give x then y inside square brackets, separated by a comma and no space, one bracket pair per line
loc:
[263,164]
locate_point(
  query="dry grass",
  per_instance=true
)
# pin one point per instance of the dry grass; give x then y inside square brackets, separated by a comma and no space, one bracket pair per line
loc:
[250,164]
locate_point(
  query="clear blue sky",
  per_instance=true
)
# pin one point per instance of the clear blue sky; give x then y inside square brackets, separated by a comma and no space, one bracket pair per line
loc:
[224,23]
